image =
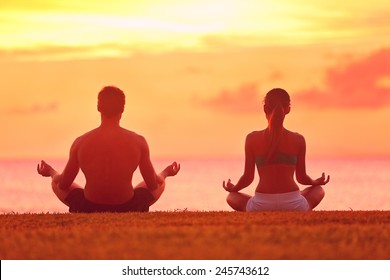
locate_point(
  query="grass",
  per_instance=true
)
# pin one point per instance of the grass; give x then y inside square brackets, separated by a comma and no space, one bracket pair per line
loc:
[197,235]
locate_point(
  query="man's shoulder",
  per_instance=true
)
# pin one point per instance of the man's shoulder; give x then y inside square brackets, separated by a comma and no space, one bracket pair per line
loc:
[97,134]
[131,133]
[135,138]
[86,135]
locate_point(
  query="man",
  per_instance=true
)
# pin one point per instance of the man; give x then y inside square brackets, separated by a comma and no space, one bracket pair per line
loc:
[108,157]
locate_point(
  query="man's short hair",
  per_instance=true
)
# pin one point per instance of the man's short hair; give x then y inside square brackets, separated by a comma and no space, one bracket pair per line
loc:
[111,101]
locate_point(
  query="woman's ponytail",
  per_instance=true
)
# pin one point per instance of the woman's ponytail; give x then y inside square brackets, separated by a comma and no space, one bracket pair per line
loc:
[275,103]
[275,129]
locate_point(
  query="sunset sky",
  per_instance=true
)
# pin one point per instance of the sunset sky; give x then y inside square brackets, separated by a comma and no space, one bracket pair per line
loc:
[195,73]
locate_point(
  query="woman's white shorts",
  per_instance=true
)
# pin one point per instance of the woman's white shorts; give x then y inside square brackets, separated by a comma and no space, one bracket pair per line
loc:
[291,201]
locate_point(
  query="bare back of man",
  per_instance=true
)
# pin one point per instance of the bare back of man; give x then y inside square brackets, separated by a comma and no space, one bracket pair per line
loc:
[108,157]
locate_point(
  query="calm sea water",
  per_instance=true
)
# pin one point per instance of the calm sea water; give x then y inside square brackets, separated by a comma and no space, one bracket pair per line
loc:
[356,184]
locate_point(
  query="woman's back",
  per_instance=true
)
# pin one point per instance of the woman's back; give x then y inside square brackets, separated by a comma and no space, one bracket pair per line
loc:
[277,154]
[277,173]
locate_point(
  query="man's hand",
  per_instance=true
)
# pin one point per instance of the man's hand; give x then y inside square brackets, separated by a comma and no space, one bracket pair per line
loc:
[46,170]
[172,169]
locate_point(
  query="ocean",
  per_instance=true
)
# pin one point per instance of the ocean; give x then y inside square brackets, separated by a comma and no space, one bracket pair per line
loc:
[356,184]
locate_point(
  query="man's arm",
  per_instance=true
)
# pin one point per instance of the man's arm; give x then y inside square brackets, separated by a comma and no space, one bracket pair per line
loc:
[64,180]
[146,167]
[71,169]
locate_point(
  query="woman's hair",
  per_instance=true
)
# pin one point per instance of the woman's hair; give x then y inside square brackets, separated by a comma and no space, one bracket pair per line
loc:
[111,101]
[276,102]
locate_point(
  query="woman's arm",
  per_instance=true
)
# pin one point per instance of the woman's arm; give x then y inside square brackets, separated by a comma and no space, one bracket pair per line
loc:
[249,170]
[301,173]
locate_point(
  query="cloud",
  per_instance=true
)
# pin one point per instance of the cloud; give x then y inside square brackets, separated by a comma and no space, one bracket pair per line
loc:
[34,109]
[29,5]
[58,52]
[276,76]
[242,100]
[363,83]
[52,5]
[193,70]
[230,42]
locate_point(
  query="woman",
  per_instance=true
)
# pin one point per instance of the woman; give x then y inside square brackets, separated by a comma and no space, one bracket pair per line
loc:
[277,153]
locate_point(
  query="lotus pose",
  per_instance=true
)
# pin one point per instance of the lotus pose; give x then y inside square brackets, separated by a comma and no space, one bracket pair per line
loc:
[277,154]
[108,157]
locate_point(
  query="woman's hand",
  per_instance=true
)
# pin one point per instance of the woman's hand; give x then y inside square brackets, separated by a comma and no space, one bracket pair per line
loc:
[46,170]
[321,181]
[229,186]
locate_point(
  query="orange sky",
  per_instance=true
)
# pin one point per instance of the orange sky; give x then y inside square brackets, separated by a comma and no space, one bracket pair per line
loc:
[195,73]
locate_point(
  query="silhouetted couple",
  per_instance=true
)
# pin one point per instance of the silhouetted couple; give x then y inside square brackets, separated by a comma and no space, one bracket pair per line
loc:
[109,155]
